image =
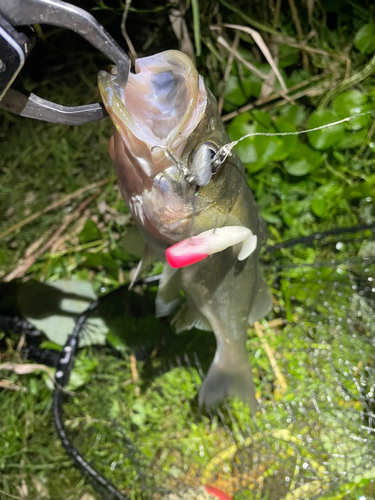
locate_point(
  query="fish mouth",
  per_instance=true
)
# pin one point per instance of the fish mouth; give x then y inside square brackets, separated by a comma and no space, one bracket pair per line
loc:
[161,105]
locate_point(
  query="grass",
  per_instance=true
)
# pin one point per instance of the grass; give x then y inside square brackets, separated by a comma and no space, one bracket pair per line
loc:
[302,184]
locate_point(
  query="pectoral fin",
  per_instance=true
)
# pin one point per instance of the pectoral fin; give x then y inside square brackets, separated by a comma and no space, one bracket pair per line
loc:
[168,295]
[189,317]
[148,258]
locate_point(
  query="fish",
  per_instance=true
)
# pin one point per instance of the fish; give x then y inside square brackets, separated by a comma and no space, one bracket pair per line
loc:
[168,135]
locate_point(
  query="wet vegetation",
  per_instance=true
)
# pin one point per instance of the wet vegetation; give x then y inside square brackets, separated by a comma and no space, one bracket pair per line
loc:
[62,217]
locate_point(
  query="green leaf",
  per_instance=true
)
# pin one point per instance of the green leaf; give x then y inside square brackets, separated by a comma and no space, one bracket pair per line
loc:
[271,218]
[319,207]
[81,374]
[240,126]
[260,151]
[364,39]
[46,344]
[261,118]
[329,191]
[97,260]
[33,386]
[288,143]
[298,76]
[90,232]
[302,160]
[288,56]
[256,152]
[116,342]
[115,408]
[237,92]
[53,308]
[362,190]
[293,113]
[348,100]
[349,104]
[138,414]
[327,137]
[353,139]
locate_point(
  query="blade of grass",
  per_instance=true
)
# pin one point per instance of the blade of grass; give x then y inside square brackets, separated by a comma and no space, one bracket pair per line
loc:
[263,47]
[25,265]
[348,82]
[132,51]
[297,24]
[227,71]
[196,27]
[253,69]
[273,97]
[54,205]
[180,29]
[249,20]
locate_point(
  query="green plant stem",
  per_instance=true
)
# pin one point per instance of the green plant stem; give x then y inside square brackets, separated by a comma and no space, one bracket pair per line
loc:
[349,82]
[196,26]
[338,174]
[249,20]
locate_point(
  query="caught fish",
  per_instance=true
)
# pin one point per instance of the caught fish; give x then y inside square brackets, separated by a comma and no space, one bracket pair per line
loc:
[168,134]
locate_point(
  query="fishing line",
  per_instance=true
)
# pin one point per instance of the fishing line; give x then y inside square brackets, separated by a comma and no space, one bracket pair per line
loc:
[195,201]
[170,156]
[226,149]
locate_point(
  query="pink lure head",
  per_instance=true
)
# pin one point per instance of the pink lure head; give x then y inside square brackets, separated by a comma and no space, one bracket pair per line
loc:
[197,248]
[184,254]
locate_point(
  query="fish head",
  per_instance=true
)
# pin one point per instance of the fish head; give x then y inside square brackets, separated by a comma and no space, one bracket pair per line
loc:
[167,131]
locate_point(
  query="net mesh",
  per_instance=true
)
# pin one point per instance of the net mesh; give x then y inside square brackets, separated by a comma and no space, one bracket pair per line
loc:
[133,414]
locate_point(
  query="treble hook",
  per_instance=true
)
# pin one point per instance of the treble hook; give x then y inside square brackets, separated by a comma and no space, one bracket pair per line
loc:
[170,156]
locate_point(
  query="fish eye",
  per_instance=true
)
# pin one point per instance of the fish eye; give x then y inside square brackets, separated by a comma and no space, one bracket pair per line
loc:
[212,152]
[201,163]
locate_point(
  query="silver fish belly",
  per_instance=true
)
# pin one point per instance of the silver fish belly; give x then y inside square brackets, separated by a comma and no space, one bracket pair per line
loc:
[167,127]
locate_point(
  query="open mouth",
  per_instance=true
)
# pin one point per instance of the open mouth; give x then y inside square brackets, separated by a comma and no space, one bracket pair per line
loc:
[162,103]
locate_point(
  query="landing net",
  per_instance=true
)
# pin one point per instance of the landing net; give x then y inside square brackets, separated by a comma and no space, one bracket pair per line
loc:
[134,426]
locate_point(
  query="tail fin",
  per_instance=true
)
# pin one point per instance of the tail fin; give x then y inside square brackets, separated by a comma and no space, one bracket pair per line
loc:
[228,379]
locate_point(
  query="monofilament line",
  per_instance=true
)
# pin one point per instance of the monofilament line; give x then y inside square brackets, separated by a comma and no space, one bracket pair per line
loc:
[226,149]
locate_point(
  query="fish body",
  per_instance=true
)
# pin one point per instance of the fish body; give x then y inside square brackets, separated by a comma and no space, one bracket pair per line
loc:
[167,130]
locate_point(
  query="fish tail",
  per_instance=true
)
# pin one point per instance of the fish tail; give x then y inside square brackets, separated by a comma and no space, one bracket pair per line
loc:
[229,376]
